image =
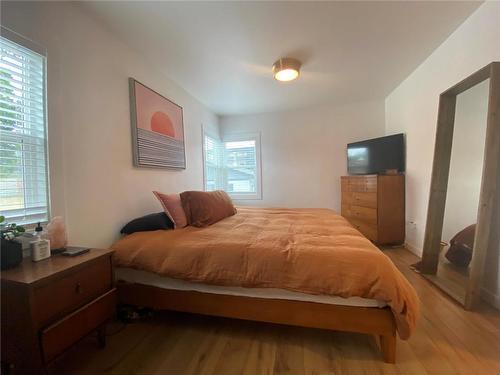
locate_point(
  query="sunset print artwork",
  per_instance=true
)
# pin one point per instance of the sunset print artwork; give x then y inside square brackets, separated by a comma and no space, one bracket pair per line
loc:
[157,129]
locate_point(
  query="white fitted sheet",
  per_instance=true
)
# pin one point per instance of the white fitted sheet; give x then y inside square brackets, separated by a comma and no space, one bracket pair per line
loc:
[149,278]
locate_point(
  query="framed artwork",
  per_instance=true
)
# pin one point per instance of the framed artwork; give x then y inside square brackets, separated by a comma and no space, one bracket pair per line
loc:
[157,129]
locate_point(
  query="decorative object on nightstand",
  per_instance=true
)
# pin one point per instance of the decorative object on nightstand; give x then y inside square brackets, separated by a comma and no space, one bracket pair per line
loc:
[40,246]
[11,250]
[48,306]
[57,235]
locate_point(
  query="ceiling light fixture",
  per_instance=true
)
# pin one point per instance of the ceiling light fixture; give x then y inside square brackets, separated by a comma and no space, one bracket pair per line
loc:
[286,69]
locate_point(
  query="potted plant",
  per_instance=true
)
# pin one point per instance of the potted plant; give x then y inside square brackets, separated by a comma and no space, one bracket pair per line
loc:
[12,250]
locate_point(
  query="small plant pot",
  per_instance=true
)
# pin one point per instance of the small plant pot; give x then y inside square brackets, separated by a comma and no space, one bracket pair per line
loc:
[11,254]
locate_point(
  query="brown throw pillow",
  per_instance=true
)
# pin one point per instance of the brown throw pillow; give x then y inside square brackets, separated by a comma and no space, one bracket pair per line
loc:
[204,208]
[461,245]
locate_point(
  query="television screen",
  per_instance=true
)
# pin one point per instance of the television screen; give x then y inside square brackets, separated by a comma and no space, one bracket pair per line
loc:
[377,155]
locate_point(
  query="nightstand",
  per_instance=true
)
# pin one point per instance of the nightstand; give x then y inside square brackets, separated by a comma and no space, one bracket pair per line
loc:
[50,305]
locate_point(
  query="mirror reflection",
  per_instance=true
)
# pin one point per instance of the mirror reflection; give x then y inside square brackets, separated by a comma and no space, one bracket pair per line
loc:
[464,185]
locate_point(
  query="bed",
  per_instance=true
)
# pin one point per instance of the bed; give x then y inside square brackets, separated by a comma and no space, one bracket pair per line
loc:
[303,267]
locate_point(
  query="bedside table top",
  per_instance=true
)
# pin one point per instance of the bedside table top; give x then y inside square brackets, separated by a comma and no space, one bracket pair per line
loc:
[29,272]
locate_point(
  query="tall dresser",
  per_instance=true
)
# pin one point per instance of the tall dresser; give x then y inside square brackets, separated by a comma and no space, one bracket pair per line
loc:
[375,205]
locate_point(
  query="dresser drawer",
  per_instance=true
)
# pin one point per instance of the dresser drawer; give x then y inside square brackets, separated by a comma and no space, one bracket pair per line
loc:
[368,230]
[363,184]
[62,334]
[365,214]
[72,291]
[359,183]
[360,199]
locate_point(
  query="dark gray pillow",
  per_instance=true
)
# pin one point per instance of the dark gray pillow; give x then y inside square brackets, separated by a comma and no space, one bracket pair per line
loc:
[148,223]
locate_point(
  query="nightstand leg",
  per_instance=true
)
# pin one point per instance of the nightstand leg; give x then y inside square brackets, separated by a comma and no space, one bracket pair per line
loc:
[101,336]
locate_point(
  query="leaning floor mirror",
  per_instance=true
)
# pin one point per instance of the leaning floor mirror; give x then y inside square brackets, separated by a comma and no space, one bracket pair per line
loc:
[462,236]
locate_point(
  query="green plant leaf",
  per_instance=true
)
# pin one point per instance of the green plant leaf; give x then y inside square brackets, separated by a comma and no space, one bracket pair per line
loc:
[2,218]
[21,229]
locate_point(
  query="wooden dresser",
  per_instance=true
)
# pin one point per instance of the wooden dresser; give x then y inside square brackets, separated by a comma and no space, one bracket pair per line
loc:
[375,205]
[49,305]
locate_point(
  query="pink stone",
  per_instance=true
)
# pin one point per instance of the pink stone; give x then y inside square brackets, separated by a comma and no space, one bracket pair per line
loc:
[57,233]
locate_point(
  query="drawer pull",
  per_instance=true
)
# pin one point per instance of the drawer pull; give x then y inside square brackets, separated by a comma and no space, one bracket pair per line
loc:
[78,288]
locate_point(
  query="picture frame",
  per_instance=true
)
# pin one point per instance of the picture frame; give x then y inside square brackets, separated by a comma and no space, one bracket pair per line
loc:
[157,129]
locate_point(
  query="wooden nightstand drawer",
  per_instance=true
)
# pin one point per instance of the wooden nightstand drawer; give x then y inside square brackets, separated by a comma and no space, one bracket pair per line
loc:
[70,292]
[62,334]
[76,292]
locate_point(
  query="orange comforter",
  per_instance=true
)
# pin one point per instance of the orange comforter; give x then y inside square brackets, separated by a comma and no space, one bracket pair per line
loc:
[313,251]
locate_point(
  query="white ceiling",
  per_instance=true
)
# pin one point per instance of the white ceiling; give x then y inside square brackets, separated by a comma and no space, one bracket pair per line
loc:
[222,53]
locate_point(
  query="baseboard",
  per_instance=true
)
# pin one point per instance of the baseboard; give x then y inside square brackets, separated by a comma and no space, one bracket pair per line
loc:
[492,298]
[413,249]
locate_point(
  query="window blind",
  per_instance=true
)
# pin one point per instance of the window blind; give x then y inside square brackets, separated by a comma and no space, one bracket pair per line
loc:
[23,153]
[214,177]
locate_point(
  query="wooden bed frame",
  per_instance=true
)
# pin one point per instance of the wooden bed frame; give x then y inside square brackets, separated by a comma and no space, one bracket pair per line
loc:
[370,320]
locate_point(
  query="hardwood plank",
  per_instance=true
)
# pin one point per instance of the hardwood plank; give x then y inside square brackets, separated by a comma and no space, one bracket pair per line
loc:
[262,354]
[236,350]
[289,354]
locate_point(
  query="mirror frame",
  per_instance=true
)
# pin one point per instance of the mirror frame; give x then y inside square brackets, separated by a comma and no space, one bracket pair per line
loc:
[488,215]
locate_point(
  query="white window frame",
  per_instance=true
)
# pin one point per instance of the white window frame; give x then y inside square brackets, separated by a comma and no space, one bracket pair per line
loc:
[236,137]
[34,47]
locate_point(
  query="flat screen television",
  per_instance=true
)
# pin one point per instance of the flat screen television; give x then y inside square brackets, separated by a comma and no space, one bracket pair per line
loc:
[376,156]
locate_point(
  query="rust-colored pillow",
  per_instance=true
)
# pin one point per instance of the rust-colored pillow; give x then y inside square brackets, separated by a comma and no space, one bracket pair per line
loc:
[204,208]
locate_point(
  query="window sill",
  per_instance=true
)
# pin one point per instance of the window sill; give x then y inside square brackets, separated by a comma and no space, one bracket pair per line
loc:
[30,227]
[244,197]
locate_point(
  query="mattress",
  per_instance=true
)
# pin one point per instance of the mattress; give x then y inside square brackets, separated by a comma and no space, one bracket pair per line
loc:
[150,278]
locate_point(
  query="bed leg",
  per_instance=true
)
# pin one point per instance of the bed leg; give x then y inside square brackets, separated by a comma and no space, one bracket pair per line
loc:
[388,347]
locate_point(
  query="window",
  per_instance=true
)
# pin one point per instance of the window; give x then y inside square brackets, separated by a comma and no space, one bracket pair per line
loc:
[233,165]
[23,135]
[213,164]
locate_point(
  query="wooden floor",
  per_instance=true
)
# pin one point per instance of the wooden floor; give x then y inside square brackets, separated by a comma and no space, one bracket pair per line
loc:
[448,340]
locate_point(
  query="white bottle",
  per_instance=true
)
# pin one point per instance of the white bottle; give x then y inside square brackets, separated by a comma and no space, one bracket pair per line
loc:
[40,247]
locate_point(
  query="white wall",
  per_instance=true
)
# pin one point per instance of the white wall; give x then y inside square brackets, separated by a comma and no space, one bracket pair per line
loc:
[93,183]
[412,108]
[466,165]
[304,151]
